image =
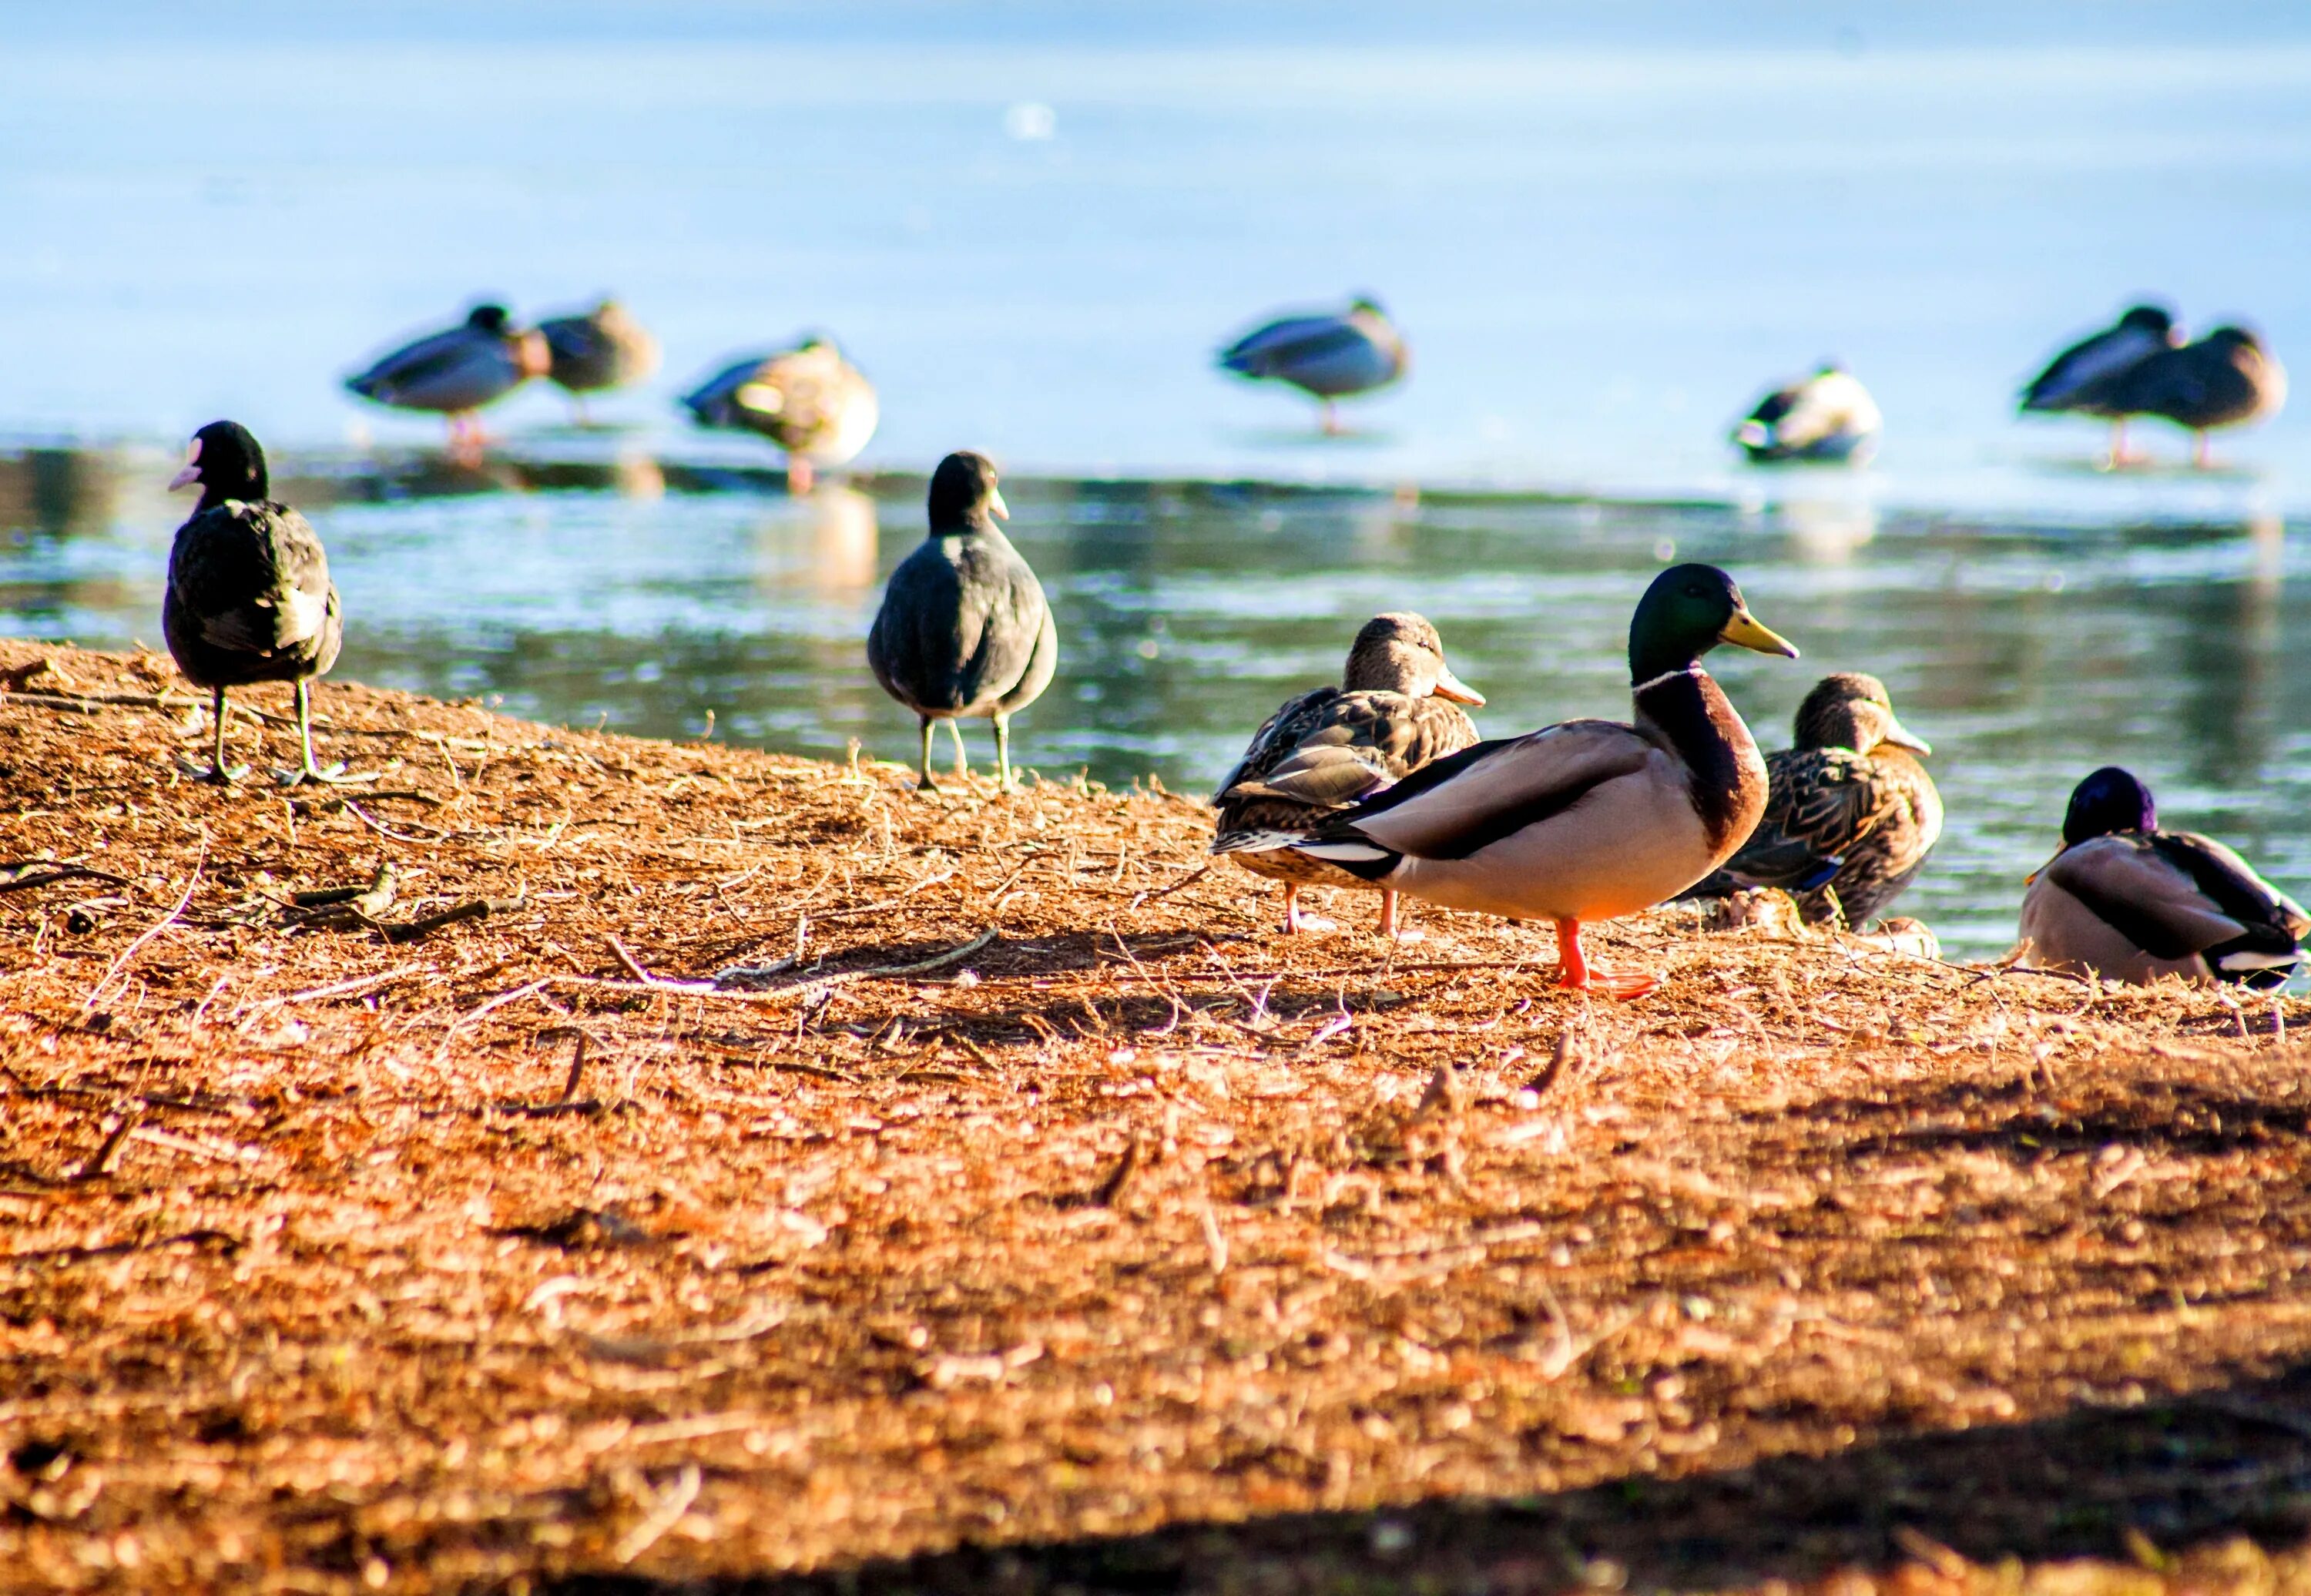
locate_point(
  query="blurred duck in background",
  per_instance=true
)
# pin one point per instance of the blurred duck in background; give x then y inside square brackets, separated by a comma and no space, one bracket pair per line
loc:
[1328,355]
[1397,708]
[2082,378]
[1826,419]
[454,373]
[2130,902]
[1850,813]
[595,351]
[809,400]
[2225,380]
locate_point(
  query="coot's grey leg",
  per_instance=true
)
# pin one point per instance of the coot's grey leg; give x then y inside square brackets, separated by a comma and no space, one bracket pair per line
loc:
[1003,754]
[331,773]
[927,784]
[220,772]
[961,760]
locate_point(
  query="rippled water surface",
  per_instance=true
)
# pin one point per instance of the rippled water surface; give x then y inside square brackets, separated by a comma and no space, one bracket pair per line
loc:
[645,597]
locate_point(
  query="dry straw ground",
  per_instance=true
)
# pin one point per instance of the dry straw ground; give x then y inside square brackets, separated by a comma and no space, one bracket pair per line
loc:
[1027,1217]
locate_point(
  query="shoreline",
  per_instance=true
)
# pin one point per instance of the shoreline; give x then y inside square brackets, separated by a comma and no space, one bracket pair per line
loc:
[1049,1217]
[649,461]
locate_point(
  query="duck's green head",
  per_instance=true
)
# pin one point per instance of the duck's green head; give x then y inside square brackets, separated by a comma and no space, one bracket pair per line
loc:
[1688,611]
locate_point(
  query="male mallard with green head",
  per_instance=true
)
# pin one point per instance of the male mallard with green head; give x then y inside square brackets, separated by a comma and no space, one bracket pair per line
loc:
[1586,820]
[2130,902]
[1852,814]
[1397,708]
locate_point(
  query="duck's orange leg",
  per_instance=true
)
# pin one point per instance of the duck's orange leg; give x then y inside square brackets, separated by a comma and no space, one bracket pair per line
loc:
[1575,973]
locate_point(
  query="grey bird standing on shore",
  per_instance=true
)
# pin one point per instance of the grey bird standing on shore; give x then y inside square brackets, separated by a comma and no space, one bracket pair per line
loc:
[249,597]
[964,629]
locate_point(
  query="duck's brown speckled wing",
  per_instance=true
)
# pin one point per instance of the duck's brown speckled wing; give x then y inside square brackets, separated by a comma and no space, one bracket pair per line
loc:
[1836,822]
[1328,748]
[1322,751]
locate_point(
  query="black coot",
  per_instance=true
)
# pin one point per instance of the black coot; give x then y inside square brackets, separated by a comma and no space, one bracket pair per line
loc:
[964,629]
[249,597]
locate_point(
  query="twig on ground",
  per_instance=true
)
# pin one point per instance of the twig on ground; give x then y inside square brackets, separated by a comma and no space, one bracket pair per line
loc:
[671,1505]
[159,926]
[31,875]
[472,908]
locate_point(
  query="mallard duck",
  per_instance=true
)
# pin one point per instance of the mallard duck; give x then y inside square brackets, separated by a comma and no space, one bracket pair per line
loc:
[1328,355]
[1397,708]
[964,629]
[1826,418]
[2078,380]
[809,400]
[249,597]
[1587,820]
[2225,380]
[1850,814]
[457,372]
[595,350]
[2130,902]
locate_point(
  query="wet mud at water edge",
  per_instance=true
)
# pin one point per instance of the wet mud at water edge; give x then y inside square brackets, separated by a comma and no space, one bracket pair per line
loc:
[580,1163]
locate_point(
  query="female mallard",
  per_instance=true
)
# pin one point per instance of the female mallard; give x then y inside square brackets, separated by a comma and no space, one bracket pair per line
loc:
[2078,380]
[595,350]
[1850,814]
[1397,708]
[1328,355]
[1589,819]
[457,372]
[2130,902]
[809,400]
[2225,380]
[249,597]
[1826,418]
[964,628]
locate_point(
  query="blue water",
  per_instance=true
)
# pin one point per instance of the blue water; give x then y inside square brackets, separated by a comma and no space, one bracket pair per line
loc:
[1603,229]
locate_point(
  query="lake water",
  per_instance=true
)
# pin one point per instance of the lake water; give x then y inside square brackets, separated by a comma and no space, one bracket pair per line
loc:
[1603,230]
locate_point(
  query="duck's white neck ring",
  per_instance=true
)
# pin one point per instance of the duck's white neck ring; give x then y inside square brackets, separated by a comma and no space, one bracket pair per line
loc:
[1643,688]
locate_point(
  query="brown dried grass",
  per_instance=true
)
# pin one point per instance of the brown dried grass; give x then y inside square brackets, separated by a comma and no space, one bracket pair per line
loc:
[500,1254]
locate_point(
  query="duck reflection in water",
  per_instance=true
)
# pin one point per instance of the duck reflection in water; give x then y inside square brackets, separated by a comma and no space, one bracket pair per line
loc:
[829,542]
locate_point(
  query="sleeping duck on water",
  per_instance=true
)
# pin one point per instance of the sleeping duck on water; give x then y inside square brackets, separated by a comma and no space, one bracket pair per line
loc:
[2080,381]
[2132,903]
[1397,708]
[1327,355]
[249,597]
[2225,380]
[1586,820]
[809,400]
[1852,814]
[457,372]
[590,352]
[1826,419]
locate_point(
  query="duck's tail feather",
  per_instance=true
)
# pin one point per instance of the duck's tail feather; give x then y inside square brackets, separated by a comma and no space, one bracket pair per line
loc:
[2254,961]
[1357,855]
[1252,840]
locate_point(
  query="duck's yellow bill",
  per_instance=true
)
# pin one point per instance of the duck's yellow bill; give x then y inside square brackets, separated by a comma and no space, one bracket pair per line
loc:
[1745,631]
[1449,685]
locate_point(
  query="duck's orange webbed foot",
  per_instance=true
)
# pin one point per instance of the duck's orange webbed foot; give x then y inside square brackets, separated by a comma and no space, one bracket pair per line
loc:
[1575,973]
